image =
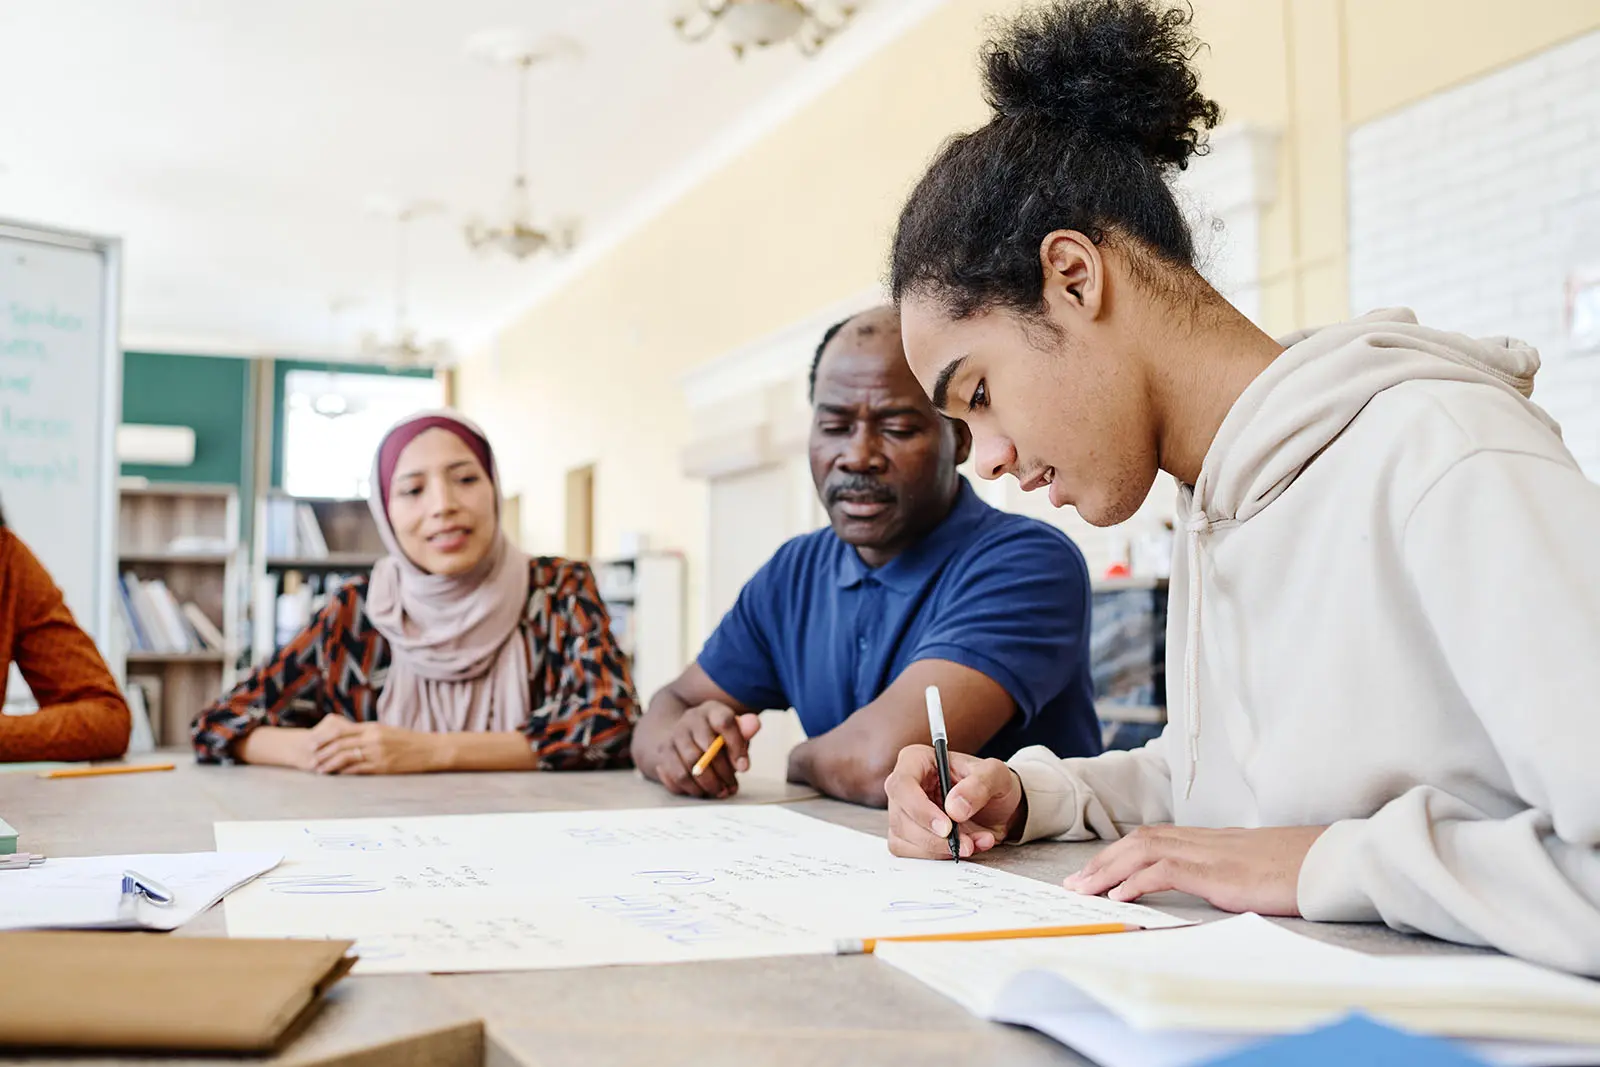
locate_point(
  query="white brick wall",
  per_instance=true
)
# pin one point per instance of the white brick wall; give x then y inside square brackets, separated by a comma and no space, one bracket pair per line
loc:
[1474,206]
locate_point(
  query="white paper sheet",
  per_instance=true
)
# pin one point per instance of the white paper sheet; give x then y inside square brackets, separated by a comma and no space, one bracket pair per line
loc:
[1052,1006]
[85,893]
[1247,975]
[577,889]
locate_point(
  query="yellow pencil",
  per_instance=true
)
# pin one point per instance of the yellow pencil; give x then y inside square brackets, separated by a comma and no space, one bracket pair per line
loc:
[857,946]
[114,768]
[705,761]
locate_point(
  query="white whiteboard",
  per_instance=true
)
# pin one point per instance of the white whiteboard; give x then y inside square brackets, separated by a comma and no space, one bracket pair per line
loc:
[60,401]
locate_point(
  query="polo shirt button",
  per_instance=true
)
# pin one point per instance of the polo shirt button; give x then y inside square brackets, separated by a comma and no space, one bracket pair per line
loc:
[861,643]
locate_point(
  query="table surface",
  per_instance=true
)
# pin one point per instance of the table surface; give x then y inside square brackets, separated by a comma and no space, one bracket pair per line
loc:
[788,1011]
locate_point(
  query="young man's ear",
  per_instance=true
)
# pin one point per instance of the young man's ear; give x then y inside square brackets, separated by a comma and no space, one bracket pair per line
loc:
[1074,274]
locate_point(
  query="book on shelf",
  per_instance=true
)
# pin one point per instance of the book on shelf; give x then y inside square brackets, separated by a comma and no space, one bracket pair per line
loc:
[179,637]
[155,621]
[198,545]
[211,638]
[150,623]
[149,687]
[280,524]
[138,639]
[309,542]
[287,602]
[141,735]
[294,614]
[293,530]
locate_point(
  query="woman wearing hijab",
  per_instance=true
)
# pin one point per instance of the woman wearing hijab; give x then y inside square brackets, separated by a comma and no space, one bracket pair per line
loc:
[81,714]
[460,653]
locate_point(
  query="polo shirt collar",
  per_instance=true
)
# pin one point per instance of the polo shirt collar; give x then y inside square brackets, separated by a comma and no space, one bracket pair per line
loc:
[907,571]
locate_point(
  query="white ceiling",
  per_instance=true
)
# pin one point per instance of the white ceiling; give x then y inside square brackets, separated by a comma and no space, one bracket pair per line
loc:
[235,145]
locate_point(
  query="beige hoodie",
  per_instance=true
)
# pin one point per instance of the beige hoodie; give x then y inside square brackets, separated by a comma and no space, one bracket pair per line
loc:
[1386,620]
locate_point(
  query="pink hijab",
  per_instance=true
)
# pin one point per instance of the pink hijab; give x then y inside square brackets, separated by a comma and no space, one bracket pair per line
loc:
[458,661]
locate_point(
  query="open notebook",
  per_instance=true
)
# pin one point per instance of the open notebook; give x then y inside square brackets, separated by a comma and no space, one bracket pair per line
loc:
[1171,998]
[85,893]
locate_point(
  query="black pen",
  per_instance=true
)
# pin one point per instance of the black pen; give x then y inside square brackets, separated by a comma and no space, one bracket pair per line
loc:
[941,759]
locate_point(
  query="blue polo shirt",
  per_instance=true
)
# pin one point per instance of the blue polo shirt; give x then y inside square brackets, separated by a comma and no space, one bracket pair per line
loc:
[818,630]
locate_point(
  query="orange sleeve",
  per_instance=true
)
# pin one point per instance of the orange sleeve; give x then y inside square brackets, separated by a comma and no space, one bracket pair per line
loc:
[81,714]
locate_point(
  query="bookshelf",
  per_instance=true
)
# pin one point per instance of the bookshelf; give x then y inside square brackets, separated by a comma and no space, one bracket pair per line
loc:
[1128,648]
[308,547]
[180,584]
[644,595]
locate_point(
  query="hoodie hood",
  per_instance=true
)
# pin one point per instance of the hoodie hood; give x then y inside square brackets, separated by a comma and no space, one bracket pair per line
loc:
[1296,408]
[1320,382]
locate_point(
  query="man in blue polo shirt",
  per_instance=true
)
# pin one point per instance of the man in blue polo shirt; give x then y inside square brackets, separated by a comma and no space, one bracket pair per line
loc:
[915,582]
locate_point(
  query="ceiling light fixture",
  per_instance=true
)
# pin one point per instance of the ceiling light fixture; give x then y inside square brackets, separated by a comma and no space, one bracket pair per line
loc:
[763,23]
[330,405]
[403,349]
[516,234]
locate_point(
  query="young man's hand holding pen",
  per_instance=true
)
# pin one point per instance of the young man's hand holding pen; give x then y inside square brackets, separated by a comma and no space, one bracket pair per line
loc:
[985,802]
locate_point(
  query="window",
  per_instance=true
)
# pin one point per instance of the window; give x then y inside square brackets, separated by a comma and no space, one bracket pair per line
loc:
[332,424]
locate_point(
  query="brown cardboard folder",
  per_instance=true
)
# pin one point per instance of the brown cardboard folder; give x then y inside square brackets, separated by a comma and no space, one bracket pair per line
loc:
[153,991]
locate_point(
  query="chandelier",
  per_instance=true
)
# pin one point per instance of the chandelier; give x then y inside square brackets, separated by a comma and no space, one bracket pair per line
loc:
[516,234]
[403,349]
[762,23]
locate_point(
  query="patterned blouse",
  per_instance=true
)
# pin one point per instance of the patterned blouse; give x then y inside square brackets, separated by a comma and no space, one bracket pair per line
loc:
[583,701]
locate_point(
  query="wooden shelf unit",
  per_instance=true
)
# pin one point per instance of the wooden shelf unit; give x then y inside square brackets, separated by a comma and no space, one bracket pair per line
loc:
[174,558]
[144,659]
[284,562]
[151,519]
[333,561]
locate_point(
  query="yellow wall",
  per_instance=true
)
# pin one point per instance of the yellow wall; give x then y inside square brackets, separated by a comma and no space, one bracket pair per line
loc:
[802,220]
[798,222]
[1314,69]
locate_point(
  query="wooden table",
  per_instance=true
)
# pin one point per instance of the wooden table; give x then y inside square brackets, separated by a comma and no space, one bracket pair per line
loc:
[792,1012]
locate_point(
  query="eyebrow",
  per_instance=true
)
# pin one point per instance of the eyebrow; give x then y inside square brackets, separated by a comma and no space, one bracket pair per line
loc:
[901,412]
[941,385]
[447,470]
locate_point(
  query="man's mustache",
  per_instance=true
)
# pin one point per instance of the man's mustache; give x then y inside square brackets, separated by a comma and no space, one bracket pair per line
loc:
[858,487]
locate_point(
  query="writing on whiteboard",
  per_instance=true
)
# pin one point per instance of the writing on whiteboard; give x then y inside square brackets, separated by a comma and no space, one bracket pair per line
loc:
[49,317]
[36,446]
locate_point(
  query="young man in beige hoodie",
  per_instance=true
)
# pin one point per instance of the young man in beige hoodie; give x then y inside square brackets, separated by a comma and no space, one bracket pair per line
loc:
[1384,643]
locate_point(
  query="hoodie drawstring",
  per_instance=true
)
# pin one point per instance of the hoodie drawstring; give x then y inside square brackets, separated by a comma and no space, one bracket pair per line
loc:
[1196,526]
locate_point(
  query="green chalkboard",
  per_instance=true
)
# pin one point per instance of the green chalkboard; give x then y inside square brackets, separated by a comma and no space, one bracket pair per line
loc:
[210,394]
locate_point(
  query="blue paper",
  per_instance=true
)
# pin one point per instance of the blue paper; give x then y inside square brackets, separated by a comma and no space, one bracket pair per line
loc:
[1356,1040]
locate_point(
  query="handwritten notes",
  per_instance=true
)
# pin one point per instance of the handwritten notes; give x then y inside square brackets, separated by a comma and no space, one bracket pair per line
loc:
[584,889]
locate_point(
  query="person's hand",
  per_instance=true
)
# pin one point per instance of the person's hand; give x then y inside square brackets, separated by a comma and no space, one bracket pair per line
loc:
[985,800]
[1235,870]
[691,736]
[278,746]
[345,747]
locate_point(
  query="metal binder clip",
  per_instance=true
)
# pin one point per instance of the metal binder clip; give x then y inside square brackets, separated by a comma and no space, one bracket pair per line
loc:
[136,885]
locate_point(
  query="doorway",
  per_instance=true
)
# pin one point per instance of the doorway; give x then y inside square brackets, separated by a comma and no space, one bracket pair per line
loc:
[580,512]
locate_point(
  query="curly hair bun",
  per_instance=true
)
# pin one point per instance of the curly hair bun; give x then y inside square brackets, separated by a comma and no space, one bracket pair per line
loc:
[1107,72]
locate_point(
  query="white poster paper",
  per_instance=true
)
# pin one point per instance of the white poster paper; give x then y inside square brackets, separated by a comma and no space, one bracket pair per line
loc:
[578,889]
